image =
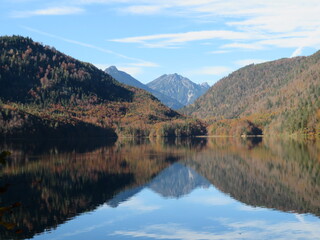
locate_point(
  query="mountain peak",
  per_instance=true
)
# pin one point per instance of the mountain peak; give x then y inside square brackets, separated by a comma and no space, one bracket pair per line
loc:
[178,87]
[176,76]
[112,68]
[205,85]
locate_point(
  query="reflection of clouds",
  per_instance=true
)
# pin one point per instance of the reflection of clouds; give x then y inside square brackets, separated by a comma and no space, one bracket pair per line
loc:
[104,206]
[215,201]
[247,208]
[135,204]
[236,230]
[84,230]
[138,204]
[177,232]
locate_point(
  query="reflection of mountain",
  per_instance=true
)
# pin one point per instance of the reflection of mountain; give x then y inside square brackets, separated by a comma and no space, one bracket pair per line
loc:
[61,184]
[279,175]
[124,196]
[177,181]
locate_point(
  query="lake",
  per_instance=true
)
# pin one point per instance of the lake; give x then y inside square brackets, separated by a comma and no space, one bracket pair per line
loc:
[193,189]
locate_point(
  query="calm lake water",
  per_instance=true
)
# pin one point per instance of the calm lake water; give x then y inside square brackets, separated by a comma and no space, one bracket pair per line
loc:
[215,188]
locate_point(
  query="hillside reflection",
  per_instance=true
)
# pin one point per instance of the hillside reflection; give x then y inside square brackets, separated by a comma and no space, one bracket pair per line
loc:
[284,175]
[55,180]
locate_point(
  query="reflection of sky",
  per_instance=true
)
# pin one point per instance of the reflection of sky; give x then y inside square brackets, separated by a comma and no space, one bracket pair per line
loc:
[203,214]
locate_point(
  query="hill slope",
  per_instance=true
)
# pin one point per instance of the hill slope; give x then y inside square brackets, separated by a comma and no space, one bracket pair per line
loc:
[43,91]
[127,79]
[281,95]
[179,88]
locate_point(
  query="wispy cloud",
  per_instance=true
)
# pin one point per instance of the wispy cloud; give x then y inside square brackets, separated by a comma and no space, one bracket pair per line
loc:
[143,9]
[137,61]
[213,201]
[218,52]
[137,204]
[248,208]
[246,46]
[133,71]
[297,52]
[210,70]
[172,39]
[257,24]
[245,62]
[235,230]
[48,12]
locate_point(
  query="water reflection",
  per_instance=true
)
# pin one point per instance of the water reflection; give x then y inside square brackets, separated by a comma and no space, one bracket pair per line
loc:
[172,189]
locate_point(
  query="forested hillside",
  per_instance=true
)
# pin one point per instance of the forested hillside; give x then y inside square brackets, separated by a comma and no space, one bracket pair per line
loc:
[278,96]
[43,92]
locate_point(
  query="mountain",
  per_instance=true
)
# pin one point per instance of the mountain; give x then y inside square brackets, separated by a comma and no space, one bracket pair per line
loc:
[45,92]
[279,96]
[124,196]
[177,181]
[179,88]
[127,79]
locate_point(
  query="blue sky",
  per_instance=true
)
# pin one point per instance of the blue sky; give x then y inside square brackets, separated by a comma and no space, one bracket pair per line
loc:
[203,40]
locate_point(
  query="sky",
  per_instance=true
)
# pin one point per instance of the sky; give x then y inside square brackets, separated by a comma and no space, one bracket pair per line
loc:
[203,40]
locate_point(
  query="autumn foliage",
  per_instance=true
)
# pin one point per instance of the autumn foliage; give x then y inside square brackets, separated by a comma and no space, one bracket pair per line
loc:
[45,92]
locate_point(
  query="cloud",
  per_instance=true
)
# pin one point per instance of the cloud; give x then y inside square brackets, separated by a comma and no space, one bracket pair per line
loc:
[219,52]
[143,9]
[133,71]
[250,229]
[137,61]
[257,25]
[297,52]
[254,24]
[248,208]
[245,62]
[247,46]
[48,12]
[211,70]
[137,204]
[213,201]
[172,39]
[145,64]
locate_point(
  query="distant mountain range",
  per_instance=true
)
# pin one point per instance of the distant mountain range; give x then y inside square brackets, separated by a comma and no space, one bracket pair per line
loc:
[173,90]
[179,88]
[279,96]
[127,79]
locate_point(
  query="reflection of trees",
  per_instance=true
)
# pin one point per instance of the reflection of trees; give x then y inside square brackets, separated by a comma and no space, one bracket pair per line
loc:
[56,184]
[57,181]
[284,175]
[10,226]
